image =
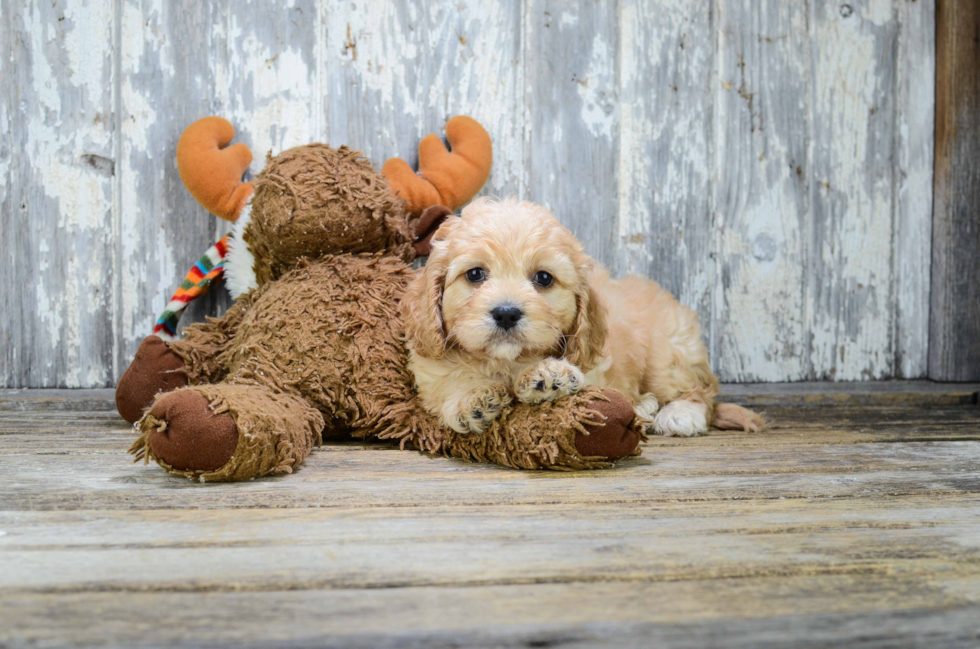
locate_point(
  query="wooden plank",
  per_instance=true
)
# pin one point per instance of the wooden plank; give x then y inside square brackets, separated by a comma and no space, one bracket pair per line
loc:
[56,214]
[823,419]
[265,69]
[954,354]
[915,135]
[849,276]
[252,550]
[842,611]
[370,57]
[33,399]
[666,137]
[789,426]
[788,537]
[761,198]
[165,83]
[573,129]
[62,473]
[254,67]
[471,63]
[869,393]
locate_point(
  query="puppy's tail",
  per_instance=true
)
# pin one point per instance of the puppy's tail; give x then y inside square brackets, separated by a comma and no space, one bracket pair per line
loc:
[728,416]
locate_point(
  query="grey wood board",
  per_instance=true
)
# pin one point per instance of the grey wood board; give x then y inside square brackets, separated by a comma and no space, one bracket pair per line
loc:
[50,476]
[571,69]
[921,393]
[768,163]
[608,615]
[849,291]
[955,313]
[803,536]
[761,201]
[915,133]
[216,551]
[831,528]
[56,214]
[664,228]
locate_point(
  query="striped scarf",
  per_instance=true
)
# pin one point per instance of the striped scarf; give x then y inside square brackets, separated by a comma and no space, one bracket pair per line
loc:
[196,283]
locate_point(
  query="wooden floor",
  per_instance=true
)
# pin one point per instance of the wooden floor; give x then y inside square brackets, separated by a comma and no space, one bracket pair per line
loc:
[855,521]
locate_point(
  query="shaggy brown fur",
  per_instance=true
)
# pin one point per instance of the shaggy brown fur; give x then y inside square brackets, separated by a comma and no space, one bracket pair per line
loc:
[314,200]
[322,349]
[318,349]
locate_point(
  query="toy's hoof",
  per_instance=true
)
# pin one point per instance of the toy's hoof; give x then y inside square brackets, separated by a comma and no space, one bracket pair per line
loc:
[194,438]
[615,439]
[154,369]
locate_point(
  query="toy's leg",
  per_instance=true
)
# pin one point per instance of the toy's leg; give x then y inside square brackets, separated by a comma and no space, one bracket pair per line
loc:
[155,369]
[228,432]
[160,366]
[584,431]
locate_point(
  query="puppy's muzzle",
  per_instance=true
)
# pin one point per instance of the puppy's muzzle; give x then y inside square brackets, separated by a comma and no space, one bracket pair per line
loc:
[507,316]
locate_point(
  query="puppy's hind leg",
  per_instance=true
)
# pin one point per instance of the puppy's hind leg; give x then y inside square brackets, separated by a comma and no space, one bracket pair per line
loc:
[729,416]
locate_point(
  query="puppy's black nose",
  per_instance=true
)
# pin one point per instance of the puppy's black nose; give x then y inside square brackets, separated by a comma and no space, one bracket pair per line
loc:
[507,317]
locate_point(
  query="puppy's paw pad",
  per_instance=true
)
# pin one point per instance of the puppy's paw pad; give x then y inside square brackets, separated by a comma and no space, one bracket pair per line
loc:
[681,419]
[550,379]
[477,410]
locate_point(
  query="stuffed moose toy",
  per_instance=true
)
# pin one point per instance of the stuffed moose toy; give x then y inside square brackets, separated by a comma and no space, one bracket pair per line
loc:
[313,347]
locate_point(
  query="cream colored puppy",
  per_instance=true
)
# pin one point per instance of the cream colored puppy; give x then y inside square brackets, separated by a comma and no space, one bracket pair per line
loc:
[509,307]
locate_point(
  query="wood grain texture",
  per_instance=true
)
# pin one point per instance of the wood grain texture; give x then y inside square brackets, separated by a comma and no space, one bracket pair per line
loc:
[571,72]
[834,528]
[371,57]
[76,460]
[471,63]
[57,211]
[848,612]
[955,314]
[768,163]
[915,133]
[258,550]
[217,58]
[850,281]
[763,96]
[166,82]
[665,150]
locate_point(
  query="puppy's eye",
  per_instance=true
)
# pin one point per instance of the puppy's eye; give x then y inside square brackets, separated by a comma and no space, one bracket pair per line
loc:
[475,275]
[543,279]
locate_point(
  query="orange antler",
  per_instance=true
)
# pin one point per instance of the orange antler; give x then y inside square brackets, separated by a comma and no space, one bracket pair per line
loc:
[211,170]
[444,178]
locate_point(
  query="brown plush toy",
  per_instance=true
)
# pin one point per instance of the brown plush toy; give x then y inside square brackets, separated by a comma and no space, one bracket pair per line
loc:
[314,346]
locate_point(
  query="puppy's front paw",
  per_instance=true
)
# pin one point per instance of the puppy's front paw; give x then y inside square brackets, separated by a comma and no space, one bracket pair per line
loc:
[682,419]
[478,408]
[550,379]
[646,411]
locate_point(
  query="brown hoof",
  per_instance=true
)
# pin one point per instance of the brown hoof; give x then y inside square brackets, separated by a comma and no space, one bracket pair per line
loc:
[154,369]
[615,439]
[194,439]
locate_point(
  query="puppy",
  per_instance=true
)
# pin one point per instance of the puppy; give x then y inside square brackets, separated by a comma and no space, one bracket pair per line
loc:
[509,306]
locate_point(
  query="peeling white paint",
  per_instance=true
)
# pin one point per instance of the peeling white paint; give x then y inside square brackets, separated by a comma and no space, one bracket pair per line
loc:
[761,196]
[63,179]
[852,339]
[600,106]
[641,120]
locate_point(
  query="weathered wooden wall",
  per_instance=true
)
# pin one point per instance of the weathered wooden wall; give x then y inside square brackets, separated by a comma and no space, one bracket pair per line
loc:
[954,354]
[770,161]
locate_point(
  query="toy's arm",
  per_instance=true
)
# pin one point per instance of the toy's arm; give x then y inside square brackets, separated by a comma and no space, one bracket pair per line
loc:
[444,177]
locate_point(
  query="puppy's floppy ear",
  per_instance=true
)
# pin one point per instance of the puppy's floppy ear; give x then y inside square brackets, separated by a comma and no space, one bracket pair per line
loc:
[422,303]
[585,343]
